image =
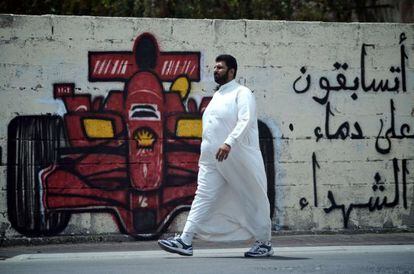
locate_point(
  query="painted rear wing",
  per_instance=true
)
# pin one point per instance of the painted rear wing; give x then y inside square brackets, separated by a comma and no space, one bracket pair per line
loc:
[121,65]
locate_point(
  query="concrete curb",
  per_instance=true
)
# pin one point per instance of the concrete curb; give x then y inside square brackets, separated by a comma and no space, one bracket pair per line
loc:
[105,238]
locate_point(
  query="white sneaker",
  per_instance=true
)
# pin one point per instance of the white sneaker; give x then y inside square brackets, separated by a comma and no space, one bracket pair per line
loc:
[176,245]
[260,249]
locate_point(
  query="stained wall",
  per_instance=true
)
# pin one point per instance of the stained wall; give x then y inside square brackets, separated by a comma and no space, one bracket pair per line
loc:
[100,121]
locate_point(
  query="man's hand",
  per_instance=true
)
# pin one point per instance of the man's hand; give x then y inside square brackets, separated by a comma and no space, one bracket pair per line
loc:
[223,152]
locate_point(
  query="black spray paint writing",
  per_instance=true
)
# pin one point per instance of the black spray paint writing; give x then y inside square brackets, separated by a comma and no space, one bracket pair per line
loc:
[303,201]
[375,203]
[358,82]
[391,133]
[343,130]
[383,140]
[356,132]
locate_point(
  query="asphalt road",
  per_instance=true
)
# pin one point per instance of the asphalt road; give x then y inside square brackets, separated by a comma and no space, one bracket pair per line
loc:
[296,259]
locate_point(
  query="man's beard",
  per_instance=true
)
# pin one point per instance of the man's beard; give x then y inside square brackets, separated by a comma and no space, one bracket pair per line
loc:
[221,80]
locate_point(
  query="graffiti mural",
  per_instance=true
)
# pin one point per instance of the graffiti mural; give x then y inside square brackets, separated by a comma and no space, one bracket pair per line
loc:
[133,153]
[395,83]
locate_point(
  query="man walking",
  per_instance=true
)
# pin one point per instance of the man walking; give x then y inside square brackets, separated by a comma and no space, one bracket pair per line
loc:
[231,199]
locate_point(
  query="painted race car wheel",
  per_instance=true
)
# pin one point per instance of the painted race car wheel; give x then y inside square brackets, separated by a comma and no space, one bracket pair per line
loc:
[33,144]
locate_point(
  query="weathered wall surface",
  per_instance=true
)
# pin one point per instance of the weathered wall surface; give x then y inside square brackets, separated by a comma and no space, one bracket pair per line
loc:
[100,121]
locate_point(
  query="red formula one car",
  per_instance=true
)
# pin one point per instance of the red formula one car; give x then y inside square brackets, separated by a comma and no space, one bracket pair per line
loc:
[133,154]
[128,155]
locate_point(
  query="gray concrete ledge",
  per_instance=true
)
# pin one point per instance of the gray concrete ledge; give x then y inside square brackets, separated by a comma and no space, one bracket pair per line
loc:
[277,235]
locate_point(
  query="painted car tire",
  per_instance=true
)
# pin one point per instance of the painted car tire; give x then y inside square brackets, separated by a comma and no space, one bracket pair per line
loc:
[33,144]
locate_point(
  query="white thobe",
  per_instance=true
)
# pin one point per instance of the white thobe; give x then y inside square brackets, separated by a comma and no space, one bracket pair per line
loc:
[231,199]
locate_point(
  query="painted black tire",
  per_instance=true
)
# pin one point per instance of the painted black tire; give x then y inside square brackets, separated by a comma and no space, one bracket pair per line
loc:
[33,144]
[267,148]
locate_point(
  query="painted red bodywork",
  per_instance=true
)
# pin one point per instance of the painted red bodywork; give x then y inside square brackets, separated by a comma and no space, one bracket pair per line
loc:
[142,185]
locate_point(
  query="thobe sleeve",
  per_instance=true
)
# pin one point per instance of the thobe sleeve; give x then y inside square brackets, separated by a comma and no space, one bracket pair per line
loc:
[245,114]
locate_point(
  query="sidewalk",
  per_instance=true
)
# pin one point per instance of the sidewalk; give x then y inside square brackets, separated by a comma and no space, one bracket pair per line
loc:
[277,240]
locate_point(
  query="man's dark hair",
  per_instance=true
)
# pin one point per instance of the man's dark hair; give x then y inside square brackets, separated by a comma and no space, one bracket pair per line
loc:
[230,61]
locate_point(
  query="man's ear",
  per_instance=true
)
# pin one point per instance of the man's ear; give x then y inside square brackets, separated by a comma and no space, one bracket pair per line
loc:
[231,72]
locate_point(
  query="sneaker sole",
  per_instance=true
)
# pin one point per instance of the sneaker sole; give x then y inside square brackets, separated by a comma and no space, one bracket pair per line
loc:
[174,249]
[268,254]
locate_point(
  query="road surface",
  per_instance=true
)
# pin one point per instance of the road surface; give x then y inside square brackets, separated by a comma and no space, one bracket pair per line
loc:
[318,259]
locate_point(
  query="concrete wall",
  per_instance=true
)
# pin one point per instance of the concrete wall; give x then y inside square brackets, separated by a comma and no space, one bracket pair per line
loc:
[335,102]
